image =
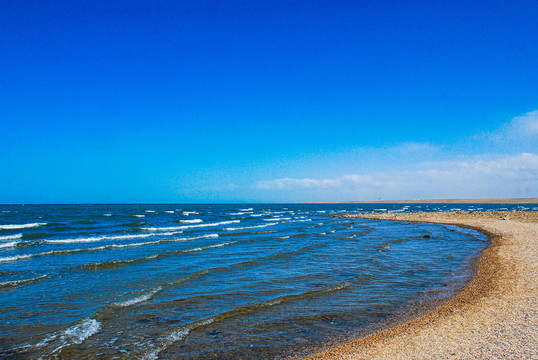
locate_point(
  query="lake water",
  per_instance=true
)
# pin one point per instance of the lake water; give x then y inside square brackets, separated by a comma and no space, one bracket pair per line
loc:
[221,281]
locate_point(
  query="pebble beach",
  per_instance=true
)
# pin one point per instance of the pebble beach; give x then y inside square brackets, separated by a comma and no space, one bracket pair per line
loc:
[494,317]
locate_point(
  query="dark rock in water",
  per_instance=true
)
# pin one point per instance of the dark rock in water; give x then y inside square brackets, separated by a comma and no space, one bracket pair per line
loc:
[426,236]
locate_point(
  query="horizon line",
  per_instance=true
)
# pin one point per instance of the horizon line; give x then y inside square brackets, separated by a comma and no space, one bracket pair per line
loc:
[530,200]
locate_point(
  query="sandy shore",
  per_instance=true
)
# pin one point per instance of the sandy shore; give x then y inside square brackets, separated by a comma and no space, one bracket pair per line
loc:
[494,317]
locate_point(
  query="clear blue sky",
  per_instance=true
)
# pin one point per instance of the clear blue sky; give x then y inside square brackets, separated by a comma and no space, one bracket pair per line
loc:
[255,101]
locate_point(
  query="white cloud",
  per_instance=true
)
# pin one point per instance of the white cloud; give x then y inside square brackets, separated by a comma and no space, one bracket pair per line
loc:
[521,130]
[496,163]
[504,176]
[526,125]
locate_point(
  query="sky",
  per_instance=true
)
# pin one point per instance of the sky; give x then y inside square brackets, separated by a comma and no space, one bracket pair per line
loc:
[267,101]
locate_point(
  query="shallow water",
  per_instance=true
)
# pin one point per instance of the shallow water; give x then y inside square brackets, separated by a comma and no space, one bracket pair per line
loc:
[235,281]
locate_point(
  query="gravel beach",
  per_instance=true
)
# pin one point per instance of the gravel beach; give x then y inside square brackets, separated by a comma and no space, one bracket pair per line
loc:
[494,317]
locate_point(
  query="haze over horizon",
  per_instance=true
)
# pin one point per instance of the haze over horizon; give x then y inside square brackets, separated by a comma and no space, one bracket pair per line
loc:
[243,101]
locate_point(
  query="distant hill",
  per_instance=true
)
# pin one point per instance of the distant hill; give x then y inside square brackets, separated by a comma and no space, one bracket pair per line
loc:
[445,201]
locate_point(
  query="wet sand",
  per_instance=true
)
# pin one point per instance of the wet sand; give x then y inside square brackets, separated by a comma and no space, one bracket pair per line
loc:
[494,317]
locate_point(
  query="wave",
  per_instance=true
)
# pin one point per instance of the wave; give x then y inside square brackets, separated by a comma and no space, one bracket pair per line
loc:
[107,215]
[8,244]
[20,226]
[193,221]
[19,282]
[207,236]
[116,264]
[275,256]
[169,211]
[249,227]
[172,228]
[11,237]
[138,216]
[187,213]
[301,220]
[107,238]
[113,246]
[249,209]
[151,211]
[97,238]
[210,247]
[307,294]
[14,258]
[134,224]
[141,298]
[174,336]
[76,334]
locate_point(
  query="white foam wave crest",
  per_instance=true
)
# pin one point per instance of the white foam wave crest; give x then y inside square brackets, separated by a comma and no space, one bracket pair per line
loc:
[277,219]
[237,213]
[169,211]
[8,244]
[138,216]
[107,238]
[249,227]
[14,258]
[113,246]
[141,298]
[193,221]
[11,237]
[73,335]
[107,215]
[207,236]
[23,281]
[122,246]
[183,227]
[151,211]
[174,336]
[257,215]
[187,213]
[98,238]
[20,226]
[210,247]
[249,209]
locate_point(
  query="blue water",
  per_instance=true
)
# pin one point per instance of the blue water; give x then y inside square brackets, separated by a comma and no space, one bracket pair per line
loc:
[231,281]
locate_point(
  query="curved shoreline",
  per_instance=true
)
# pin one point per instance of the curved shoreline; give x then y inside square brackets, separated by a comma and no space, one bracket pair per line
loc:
[495,316]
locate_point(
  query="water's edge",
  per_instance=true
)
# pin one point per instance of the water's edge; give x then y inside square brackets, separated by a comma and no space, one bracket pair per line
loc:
[419,312]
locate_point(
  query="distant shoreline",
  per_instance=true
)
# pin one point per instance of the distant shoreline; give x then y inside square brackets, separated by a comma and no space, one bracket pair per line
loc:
[438,201]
